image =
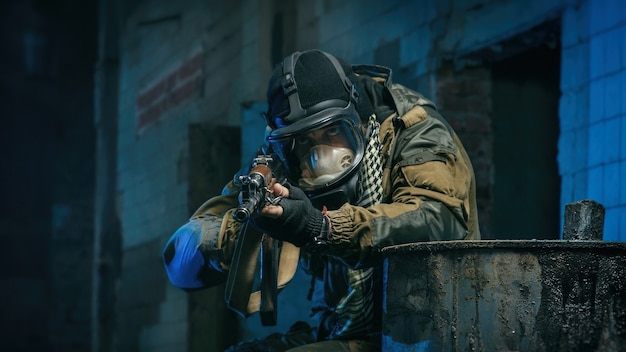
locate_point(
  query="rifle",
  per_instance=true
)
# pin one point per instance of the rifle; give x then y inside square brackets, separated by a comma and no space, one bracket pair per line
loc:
[255,193]
[256,188]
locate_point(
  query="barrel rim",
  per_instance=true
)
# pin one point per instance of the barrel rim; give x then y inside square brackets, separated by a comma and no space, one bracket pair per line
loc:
[438,246]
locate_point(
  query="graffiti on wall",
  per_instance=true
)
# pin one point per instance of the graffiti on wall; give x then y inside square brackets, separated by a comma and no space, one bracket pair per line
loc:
[180,84]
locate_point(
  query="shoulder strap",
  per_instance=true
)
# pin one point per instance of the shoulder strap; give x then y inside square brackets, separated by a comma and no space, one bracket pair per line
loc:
[238,292]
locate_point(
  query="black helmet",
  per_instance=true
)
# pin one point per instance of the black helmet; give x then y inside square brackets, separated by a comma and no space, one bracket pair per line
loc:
[315,127]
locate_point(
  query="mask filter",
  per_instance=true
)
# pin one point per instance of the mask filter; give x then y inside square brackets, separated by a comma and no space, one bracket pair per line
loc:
[323,164]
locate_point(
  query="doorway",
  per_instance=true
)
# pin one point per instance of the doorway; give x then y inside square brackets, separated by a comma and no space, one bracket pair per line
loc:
[525,120]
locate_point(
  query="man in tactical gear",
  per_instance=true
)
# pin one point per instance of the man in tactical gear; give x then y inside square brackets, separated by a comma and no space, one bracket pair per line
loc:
[367,164]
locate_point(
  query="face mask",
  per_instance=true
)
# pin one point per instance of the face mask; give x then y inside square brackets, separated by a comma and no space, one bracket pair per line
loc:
[323,164]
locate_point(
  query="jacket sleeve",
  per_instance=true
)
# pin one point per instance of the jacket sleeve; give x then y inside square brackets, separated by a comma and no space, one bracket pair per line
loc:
[198,254]
[426,195]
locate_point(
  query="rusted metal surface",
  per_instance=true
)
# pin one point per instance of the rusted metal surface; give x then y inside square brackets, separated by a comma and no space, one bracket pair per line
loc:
[505,296]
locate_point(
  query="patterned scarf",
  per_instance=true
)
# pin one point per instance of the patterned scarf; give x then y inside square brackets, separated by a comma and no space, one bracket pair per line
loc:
[355,310]
[371,171]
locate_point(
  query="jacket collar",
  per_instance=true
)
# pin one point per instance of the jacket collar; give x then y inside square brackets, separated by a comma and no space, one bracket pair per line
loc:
[378,72]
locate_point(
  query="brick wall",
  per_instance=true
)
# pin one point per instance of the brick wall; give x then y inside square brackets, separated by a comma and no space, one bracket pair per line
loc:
[180,65]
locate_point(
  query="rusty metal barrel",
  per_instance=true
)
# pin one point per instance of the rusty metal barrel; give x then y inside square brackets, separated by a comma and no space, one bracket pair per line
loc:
[505,295]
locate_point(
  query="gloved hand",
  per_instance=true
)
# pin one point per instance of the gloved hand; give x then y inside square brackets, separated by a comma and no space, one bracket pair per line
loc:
[299,222]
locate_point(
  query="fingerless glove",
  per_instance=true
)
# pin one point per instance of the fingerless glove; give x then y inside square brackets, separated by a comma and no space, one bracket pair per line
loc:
[300,222]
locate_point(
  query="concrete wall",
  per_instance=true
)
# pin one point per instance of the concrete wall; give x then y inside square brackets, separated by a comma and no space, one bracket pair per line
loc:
[206,59]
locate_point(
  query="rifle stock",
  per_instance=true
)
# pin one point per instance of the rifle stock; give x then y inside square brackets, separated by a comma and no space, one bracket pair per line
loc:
[269,281]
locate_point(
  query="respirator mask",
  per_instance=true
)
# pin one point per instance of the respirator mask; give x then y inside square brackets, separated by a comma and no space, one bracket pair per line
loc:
[321,150]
